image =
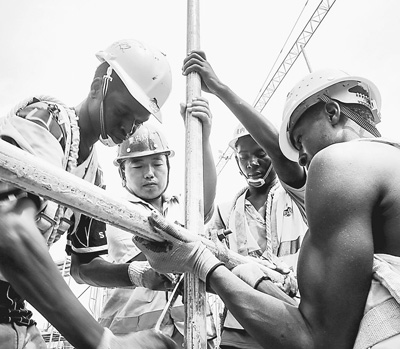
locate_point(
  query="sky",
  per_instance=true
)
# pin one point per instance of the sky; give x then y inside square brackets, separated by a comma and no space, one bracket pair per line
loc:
[48,47]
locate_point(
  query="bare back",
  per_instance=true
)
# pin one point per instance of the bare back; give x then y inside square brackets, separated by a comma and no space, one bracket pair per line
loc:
[353,210]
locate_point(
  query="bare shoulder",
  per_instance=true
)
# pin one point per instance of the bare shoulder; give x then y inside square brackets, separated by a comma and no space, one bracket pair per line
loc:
[353,171]
[369,159]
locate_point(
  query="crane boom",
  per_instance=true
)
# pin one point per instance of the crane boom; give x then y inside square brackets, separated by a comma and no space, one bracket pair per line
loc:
[271,86]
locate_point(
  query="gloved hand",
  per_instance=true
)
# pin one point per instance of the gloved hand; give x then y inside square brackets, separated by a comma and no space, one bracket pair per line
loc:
[142,274]
[289,285]
[250,273]
[179,253]
[147,339]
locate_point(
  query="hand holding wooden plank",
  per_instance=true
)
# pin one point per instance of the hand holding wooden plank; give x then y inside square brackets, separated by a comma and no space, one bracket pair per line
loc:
[24,170]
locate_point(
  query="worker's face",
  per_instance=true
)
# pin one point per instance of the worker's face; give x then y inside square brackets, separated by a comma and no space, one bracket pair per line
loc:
[252,159]
[122,113]
[312,133]
[147,177]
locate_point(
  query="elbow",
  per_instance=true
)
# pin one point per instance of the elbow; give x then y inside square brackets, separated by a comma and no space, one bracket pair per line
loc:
[76,274]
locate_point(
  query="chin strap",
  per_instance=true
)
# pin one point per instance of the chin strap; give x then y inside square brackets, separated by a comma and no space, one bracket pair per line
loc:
[104,88]
[257,183]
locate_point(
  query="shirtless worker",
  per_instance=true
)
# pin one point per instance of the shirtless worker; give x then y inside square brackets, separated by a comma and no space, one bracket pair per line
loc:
[353,245]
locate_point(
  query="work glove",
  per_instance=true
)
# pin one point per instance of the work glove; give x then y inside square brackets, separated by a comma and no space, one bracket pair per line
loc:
[147,339]
[289,286]
[178,253]
[250,273]
[142,274]
[253,275]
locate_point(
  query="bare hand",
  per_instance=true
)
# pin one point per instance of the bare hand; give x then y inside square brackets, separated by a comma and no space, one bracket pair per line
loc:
[197,62]
[199,108]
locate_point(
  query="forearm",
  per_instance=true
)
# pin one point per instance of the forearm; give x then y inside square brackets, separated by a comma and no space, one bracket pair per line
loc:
[100,273]
[27,265]
[265,133]
[272,322]
[260,127]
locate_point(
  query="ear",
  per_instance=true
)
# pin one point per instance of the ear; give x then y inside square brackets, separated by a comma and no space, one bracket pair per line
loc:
[95,88]
[332,109]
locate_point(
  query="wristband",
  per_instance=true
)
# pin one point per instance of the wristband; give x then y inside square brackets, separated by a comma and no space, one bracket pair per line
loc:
[135,272]
[212,270]
[261,279]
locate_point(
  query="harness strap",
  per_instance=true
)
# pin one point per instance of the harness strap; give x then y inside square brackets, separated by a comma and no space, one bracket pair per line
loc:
[378,324]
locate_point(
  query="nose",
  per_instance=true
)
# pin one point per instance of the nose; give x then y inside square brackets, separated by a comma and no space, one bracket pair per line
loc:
[136,124]
[253,161]
[149,174]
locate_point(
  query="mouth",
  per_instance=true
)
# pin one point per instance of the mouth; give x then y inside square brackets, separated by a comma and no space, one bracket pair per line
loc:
[150,184]
[255,175]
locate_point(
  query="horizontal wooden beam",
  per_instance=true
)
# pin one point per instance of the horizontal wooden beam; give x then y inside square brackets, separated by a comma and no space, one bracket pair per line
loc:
[28,172]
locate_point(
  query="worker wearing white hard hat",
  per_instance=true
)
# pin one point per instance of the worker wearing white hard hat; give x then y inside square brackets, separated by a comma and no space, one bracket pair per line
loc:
[144,71]
[265,217]
[348,271]
[132,81]
[143,161]
[323,86]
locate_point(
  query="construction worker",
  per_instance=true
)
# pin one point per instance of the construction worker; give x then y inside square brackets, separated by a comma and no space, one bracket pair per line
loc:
[143,162]
[348,270]
[132,82]
[266,217]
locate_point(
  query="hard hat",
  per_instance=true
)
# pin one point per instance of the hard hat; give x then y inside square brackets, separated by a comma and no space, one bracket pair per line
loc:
[335,84]
[144,71]
[147,140]
[240,131]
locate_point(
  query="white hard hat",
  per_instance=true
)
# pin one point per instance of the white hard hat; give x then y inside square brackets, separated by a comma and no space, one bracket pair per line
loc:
[240,131]
[147,140]
[335,84]
[144,71]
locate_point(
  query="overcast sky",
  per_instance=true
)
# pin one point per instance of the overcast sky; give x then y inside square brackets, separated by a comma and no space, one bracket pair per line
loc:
[49,46]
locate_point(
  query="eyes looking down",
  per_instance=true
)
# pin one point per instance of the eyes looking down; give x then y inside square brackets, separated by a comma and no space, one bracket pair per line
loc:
[124,114]
[147,176]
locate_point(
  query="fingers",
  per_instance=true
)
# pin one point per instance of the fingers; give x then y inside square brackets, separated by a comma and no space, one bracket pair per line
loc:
[193,62]
[182,110]
[200,109]
[145,245]
[162,226]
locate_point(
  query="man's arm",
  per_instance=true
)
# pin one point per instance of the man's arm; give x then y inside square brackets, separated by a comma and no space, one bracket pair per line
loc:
[260,128]
[335,265]
[92,269]
[27,265]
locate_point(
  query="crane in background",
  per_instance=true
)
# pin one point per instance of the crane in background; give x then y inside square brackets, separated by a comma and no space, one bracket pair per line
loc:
[272,84]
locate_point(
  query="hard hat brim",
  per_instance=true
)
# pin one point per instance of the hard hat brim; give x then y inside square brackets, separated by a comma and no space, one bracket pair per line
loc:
[136,92]
[119,160]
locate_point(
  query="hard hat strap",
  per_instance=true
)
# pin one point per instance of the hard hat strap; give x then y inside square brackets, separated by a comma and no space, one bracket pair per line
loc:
[359,120]
[104,88]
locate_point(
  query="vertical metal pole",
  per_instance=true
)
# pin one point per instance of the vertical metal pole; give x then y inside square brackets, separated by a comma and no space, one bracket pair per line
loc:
[195,290]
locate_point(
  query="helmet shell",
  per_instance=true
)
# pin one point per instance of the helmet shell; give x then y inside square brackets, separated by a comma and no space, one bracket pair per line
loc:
[144,71]
[147,140]
[336,84]
[240,131]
